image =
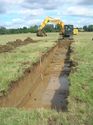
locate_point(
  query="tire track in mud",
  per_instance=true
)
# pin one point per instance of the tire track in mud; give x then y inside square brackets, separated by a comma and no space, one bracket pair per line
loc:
[46,85]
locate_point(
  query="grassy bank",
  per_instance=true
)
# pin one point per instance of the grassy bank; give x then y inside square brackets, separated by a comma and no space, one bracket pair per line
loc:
[12,116]
[81,90]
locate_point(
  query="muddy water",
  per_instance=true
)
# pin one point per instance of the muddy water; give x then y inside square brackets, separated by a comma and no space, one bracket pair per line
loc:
[53,88]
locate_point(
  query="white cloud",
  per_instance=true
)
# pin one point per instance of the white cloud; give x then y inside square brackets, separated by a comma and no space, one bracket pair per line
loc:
[31,12]
[80,11]
[12,1]
[18,23]
[28,12]
[86,2]
[44,4]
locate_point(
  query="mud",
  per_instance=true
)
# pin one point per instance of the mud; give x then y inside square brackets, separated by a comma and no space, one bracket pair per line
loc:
[12,45]
[46,84]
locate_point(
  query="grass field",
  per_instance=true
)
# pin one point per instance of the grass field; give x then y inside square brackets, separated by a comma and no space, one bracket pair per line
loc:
[6,38]
[80,107]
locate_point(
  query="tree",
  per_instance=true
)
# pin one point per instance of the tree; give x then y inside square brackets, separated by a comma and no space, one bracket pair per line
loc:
[85,28]
[2,30]
[33,29]
[58,28]
[90,28]
[49,28]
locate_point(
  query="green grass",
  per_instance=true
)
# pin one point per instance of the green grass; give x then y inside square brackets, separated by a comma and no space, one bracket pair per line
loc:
[6,38]
[80,106]
[81,90]
[13,116]
[13,64]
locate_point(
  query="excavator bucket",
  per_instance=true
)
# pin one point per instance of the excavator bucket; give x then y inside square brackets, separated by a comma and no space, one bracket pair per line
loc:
[41,33]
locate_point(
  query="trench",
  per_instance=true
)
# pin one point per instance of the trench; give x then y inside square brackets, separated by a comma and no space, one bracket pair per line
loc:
[46,84]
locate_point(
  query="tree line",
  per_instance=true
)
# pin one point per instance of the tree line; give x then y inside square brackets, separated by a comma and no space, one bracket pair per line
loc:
[34,29]
[88,28]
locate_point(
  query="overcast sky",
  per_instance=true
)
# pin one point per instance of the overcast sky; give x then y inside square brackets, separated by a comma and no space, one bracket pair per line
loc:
[19,13]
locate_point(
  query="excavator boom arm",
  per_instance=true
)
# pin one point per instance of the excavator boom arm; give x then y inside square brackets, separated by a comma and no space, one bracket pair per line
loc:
[49,19]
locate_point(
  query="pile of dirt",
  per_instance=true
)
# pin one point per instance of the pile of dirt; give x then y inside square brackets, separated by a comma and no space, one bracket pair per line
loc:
[5,48]
[28,39]
[12,45]
[16,43]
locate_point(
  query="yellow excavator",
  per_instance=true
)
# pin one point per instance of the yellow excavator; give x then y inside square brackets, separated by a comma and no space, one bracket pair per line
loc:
[66,30]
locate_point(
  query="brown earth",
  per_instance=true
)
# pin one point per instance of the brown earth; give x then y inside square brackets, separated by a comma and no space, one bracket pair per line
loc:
[12,45]
[44,85]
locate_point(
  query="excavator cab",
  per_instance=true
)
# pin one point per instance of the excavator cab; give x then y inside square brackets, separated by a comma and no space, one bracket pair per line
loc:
[67,33]
[68,30]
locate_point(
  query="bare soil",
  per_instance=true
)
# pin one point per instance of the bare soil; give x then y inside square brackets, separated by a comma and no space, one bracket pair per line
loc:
[12,45]
[45,85]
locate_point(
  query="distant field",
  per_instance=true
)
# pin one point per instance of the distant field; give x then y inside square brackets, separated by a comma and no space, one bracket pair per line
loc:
[80,101]
[12,37]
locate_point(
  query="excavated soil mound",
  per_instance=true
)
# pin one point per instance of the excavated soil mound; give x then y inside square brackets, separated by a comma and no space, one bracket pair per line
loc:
[28,39]
[5,48]
[12,45]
